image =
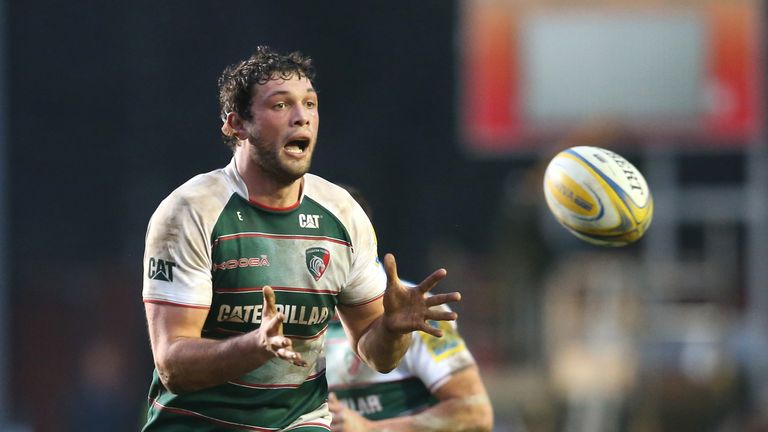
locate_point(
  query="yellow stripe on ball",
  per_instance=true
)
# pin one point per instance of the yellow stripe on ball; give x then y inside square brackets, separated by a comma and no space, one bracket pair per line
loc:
[572,196]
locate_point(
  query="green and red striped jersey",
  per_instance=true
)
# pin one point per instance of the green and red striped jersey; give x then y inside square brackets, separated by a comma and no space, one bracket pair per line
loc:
[209,247]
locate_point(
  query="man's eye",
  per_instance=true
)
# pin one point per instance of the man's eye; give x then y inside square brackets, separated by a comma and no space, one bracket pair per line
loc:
[279,105]
[310,104]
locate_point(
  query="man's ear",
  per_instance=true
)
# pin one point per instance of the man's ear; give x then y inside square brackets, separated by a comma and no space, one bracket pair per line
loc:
[234,126]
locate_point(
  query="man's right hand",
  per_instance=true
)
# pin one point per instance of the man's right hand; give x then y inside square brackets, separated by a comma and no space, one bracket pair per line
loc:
[270,334]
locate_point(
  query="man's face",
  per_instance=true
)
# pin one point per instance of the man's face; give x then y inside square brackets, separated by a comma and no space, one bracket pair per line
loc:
[283,129]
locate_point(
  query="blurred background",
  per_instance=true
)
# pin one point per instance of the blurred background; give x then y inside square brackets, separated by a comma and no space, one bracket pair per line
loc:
[444,113]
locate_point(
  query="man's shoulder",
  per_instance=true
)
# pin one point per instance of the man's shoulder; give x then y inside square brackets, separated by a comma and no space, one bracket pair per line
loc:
[201,193]
[205,184]
[332,197]
[318,186]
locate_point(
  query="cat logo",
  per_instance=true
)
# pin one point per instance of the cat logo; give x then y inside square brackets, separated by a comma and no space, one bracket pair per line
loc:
[309,221]
[161,269]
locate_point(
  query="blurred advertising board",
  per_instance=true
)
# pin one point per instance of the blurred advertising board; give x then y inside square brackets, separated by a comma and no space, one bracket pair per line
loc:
[669,71]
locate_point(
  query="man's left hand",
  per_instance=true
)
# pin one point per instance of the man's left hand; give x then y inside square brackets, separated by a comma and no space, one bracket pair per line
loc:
[408,309]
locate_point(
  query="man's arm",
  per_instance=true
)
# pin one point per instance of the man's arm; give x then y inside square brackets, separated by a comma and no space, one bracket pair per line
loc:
[186,362]
[380,331]
[463,406]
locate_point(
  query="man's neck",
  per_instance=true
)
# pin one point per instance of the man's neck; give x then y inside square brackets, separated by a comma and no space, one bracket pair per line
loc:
[264,190]
[273,196]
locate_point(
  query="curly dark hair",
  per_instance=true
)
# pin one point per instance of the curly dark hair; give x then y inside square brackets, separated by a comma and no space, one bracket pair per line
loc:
[237,82]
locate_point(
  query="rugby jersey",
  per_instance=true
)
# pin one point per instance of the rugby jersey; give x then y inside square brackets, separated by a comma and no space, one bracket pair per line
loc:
[209,247]
[428,364]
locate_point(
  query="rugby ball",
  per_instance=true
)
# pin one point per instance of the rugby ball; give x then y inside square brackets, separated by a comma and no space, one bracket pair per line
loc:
[598,196]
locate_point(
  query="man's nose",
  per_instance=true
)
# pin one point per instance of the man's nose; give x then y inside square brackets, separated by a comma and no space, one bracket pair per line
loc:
[301,116]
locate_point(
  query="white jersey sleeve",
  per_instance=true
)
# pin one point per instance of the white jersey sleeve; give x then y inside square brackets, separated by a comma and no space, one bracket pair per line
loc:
[367,279]
[177,255]
[434,359]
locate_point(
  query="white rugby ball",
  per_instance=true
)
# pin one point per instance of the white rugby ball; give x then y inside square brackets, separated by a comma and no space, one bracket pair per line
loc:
[598,195]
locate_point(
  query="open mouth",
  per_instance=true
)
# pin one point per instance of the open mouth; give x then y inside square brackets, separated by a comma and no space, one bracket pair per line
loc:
[297,146]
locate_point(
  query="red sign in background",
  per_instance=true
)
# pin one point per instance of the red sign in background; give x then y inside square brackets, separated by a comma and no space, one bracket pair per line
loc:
[493,114]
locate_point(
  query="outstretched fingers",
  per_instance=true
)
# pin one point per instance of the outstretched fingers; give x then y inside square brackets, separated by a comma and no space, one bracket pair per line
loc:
[426,328]
[291,356]
[390,267]
[279,345]
[272,325]
[432,280]
[440,315]
[271,320]
[439,299]
[269,307]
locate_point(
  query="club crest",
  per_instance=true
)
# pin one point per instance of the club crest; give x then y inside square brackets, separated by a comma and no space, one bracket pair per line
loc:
[317,261]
